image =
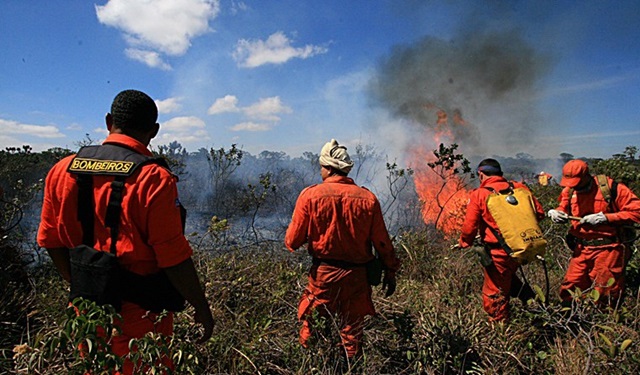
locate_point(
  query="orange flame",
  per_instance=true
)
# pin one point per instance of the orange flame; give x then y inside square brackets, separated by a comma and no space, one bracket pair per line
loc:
[442,193]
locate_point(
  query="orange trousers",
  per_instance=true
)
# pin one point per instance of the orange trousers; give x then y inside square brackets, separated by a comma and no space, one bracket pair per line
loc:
[135,324]
[340,292]
[594,266]
[496,288]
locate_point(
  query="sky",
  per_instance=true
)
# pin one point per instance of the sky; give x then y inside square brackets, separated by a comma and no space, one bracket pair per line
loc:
[513,77]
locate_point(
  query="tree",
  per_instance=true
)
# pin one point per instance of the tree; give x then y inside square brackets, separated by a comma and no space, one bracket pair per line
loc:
[175,156]
[365,161]
[565,157]
[254,198]
[222,164]
[621,167]
[444,203]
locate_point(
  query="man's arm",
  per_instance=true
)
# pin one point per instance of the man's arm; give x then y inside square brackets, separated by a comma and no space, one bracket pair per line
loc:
[471,223]
[381,241]
[185,279]
[60,258]
[628,206]
[564,201]
[296,234]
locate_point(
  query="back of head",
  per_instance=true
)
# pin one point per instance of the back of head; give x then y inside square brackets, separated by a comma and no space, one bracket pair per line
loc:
[134,112]
[490,167]
[336,156]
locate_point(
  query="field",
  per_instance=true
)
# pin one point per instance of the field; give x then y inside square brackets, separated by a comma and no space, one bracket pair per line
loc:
[433,324]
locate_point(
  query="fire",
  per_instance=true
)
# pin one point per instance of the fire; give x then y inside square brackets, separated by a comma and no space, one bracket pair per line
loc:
[444,194]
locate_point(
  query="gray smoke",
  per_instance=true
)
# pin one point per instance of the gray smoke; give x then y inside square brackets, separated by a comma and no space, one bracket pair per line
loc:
[489,78]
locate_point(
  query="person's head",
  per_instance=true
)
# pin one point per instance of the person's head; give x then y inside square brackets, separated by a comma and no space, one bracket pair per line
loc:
[489,167]
[334,159]
[133,113]
[575,174]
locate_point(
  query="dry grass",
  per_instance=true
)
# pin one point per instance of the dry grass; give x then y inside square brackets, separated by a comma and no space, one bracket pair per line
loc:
[434,324]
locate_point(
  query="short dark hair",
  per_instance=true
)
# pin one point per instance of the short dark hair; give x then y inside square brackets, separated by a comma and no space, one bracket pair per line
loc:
[338,171]
[133,110]
[490,167]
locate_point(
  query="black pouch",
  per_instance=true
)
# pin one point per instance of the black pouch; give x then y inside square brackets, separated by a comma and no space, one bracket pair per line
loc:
[95,275]
[484,255]
[572,241]
[627,234]
[374,271]
[153,292]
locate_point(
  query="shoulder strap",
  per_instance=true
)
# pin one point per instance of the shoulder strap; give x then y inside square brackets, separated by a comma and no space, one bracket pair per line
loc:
[608,193]
[501,240]
[85,207]
[603,184]
[114,208]
[86,214]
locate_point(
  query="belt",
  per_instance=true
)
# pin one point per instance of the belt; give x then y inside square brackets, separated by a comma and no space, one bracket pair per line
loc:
[336,263]
[597,241]
[493,245]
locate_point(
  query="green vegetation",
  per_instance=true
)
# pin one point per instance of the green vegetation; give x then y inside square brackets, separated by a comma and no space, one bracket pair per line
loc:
[433,324]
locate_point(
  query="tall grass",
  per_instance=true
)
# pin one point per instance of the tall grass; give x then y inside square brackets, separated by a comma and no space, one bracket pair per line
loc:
[433,324]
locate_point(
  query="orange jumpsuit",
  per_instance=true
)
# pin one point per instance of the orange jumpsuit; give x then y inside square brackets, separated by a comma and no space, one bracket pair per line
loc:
[339,221]
[594,265]
[498,277]
[150,235]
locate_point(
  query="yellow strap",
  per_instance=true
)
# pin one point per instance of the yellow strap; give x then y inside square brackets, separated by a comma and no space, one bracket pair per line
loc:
[604,187]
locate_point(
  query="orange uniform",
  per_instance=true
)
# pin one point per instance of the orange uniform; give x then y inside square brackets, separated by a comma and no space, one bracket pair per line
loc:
[499,276]
[150,235]
[598,254]
[339,221]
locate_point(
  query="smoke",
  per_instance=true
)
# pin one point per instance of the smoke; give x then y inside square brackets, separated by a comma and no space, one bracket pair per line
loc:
[480,85]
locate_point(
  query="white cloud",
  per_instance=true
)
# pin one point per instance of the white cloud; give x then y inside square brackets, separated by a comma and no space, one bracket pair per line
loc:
[238,6]
[277,49]
[40,131]
[183,123]
[74,126]
[184,129]
[101,131]
[169,105]
[250,127]
[267,109]
[162,26]
[151,58]
[600,84]
[221,105]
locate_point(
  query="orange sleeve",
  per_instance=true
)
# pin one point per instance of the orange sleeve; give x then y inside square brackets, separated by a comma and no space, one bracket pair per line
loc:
[164,223]
[296,234]
[564,202]
[472,220]
[628,207]
[48,231]
[381,241]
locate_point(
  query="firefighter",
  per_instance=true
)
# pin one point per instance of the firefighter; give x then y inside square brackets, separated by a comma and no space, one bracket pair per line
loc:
[340,221]
[150,235]
[544,178]
[595,235]
[500,281]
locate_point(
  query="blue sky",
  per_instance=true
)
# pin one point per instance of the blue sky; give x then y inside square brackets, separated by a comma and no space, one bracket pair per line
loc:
[539,77]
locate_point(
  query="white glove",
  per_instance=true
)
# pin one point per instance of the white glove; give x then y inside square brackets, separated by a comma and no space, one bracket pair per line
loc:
[594,219]
[558,216]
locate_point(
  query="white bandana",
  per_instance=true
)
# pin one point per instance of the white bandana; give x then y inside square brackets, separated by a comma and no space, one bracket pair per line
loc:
[336,156]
